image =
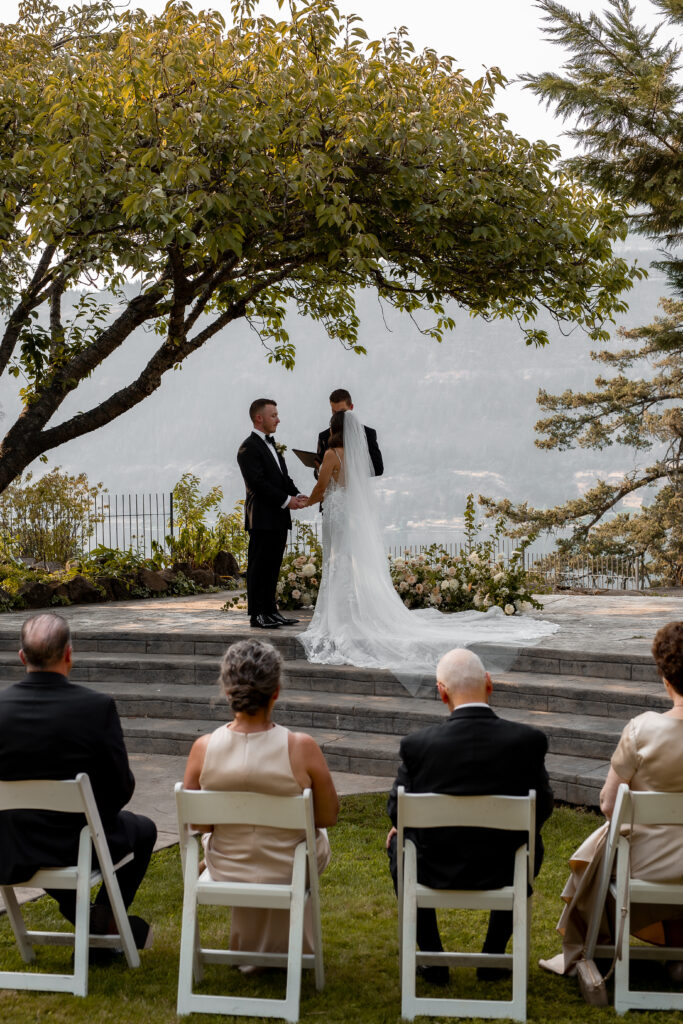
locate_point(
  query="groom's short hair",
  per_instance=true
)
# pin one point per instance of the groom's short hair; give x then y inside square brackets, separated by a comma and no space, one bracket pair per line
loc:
[257,405]
[340,395]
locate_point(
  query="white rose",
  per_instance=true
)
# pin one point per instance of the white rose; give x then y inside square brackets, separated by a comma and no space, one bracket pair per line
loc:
[509,609]
[477,601]
[498,577]
[419,588]
[451,570]
[473,557]
[291,577]
[308,569]
[411,580]
[306,598]
[399,562]
[296,594]
[445,584]
[301,560]
[436,599]
[454,585]
[403,586]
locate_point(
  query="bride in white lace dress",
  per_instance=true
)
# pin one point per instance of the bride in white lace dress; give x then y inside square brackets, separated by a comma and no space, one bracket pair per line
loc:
[359,618]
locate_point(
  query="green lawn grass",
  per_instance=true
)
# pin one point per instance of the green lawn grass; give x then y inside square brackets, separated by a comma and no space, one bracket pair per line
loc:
[360,941]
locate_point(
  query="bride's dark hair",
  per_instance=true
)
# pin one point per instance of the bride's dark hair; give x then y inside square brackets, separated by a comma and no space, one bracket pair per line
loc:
[337,430]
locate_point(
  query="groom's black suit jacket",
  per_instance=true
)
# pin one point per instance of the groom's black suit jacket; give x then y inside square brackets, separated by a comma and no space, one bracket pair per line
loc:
[373,448]
[53,729]
[267,486]
[473,752]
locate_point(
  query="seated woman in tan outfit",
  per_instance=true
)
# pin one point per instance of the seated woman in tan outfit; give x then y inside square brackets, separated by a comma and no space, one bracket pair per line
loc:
[649,757]
[254,754]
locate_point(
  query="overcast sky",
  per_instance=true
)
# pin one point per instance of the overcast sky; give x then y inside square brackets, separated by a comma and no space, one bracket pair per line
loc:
[477,34]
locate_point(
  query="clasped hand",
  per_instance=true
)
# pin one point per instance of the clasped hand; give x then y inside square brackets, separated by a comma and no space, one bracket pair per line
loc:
[299,501]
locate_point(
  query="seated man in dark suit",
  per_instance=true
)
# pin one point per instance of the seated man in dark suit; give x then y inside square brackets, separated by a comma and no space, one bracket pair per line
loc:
[53,729]
[473,752]
[339,400]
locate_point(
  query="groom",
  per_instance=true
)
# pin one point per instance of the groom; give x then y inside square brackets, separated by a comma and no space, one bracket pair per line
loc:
[341,400]
[271,493]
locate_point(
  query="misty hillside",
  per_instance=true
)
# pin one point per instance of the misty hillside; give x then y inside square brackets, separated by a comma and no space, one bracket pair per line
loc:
[451,418]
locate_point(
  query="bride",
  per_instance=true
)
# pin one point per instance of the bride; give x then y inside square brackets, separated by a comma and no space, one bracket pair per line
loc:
[359,618]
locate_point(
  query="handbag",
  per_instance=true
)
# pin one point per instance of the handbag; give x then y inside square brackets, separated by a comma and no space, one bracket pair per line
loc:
[591,982]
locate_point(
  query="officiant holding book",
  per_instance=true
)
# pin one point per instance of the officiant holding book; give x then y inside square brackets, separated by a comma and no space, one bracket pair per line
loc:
[341,400]
[270,498]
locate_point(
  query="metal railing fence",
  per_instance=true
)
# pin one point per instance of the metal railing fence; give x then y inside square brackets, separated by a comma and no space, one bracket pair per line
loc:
[561,572]
[138,521]
[128,522]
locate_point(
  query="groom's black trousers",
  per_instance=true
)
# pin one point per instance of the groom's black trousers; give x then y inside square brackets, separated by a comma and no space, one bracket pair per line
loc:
[266,548]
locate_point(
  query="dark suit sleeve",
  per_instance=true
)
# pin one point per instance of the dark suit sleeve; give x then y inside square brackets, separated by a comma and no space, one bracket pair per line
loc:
[112,780]
[375,453]
[251,467]
[402,779]
[544,793]
[321,448]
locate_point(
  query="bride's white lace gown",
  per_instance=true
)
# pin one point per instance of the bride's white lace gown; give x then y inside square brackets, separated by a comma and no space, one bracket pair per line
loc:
[359,618]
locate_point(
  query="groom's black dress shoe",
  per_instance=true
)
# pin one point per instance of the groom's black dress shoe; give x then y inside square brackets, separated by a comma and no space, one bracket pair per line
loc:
[263,622]
[281,620]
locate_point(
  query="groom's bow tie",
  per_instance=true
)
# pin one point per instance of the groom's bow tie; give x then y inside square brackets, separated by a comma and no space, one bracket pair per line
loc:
[270,439]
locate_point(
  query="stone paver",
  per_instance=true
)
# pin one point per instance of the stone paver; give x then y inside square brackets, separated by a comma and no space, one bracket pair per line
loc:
[618,623]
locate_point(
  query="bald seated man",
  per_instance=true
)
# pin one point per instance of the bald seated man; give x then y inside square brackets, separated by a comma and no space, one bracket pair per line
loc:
[53,729]
[472,752]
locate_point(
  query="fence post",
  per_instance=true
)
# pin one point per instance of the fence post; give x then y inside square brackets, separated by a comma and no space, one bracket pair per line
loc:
[637,572]
[170,516]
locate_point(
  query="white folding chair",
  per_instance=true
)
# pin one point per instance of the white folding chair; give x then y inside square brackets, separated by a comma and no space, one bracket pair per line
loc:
[432,810]
[72,796]
[632,808]
[222,808]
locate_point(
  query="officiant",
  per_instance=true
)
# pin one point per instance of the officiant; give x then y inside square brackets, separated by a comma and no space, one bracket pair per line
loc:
[340,399]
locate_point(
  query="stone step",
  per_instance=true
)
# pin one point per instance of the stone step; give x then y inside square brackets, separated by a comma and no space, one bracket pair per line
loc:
[570,734]
[140,642]
[540,690]
[577,780]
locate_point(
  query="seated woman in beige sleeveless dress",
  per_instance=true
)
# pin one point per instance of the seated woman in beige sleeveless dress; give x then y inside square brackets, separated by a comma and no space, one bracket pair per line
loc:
[649,757]
[254,754]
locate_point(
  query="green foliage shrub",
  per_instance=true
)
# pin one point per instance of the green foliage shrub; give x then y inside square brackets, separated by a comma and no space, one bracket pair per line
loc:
[196,542]
[48,519]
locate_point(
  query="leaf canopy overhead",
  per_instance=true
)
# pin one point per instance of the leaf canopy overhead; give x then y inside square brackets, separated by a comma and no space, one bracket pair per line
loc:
[234,171]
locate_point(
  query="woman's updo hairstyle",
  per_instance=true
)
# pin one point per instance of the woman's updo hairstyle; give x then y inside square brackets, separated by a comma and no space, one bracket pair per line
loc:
[250,675]
[667,651]
[337,430]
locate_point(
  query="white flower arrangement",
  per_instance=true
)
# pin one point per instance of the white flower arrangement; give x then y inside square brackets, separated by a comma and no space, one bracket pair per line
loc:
[308,569]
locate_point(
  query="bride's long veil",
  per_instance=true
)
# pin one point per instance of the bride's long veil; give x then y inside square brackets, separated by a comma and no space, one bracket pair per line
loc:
[359,618]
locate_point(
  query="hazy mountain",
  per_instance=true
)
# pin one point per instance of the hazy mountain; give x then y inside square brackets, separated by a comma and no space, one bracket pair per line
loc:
[451,418]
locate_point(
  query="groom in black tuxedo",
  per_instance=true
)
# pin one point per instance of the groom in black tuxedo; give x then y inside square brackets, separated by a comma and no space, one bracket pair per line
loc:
[471,753]
[271,493]
[341,400]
